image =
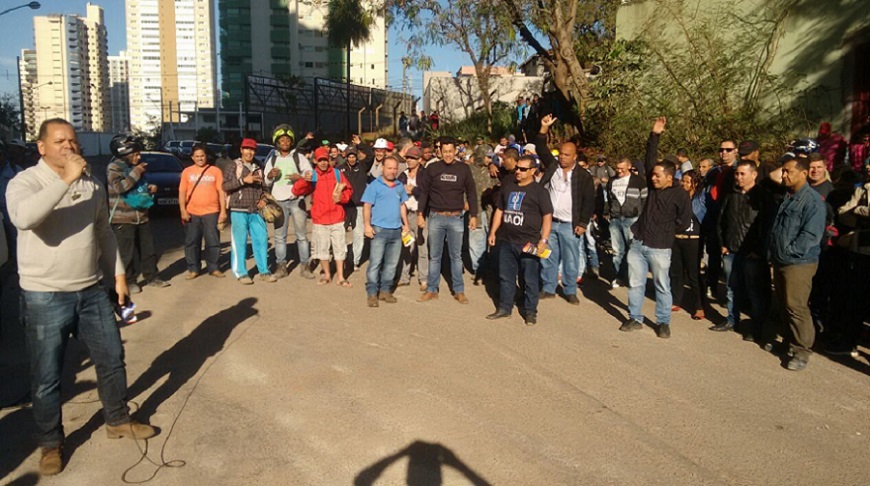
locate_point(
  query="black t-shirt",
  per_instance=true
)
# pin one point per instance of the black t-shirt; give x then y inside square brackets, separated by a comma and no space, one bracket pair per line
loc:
[523,209]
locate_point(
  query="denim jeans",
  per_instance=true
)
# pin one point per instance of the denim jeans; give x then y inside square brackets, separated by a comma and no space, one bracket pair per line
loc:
[194,231]
[450,228]
[748,285]
[384,253]
[253,223]
[565,248]
[588,251]
[641,260]
[292,211]
[49,319]
[477,243]
[620,239]
[512,262]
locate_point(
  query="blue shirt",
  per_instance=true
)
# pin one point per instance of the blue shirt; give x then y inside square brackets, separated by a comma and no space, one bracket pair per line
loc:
[386,203]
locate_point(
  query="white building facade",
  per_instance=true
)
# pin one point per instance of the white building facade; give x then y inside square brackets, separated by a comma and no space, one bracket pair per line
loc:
[119,91]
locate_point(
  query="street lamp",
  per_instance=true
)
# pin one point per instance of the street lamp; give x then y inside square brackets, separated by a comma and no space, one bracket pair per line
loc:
[32,5]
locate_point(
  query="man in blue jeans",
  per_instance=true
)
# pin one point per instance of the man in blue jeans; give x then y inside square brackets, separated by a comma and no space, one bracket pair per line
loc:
[385,218]
[626,196]
[572,194]
[445,185]
[285,166]
[60,210]
[666,209]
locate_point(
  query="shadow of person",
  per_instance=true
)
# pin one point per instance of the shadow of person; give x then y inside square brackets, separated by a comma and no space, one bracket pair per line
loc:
[425,466]
[599,292]
[28,479]
[178,364]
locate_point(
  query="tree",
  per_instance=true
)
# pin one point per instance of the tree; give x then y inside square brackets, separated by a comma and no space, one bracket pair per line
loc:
[573,28]
[349,24]
[10,117]
[208,135]
[476,27]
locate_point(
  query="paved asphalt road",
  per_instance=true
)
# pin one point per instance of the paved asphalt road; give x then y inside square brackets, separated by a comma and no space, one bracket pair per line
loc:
[292,383]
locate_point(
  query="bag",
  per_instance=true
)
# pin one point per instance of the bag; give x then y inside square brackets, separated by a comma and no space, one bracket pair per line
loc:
[271,211]
[138,198]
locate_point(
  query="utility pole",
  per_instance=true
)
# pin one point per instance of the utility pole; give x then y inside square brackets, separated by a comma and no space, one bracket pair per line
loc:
[21,100]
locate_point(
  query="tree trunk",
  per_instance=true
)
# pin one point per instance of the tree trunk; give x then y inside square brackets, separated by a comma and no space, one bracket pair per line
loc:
[483,83]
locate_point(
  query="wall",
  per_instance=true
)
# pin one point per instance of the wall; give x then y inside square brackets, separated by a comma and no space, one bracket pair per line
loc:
[456,98]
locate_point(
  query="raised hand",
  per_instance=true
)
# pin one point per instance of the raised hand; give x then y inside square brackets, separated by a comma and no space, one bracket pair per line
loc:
[659,125]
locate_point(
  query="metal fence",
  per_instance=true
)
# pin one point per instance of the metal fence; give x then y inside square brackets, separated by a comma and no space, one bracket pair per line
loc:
[321,105]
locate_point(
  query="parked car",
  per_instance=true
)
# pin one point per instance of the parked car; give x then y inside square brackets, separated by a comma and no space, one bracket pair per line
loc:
[218,149]
[263,151]
[164,171]
[173,147]
[186,148]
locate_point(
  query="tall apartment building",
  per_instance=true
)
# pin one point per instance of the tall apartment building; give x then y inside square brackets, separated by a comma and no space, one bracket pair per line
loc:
[277,38]
[66,75]
[172,59]
[119,91]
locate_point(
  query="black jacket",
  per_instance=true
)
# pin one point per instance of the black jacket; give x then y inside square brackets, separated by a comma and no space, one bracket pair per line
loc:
[744,220]
[582,186]
[635,198]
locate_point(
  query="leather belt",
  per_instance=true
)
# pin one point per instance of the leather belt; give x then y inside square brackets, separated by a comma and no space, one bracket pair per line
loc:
[557,220]
[687,237]
[447,213]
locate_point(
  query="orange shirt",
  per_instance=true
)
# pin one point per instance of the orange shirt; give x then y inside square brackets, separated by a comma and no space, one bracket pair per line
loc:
[205,199]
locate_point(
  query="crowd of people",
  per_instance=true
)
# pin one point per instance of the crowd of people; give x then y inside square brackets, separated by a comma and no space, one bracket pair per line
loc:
[785,234]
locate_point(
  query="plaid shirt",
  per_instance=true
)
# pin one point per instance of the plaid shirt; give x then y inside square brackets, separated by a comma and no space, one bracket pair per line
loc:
[242,197]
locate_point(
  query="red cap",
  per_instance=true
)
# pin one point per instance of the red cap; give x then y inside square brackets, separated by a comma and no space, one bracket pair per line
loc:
[249,143]
[321,153]
[390,145]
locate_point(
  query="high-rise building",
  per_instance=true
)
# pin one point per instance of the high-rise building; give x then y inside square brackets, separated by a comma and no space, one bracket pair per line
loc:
[66,75]
[172,60]
[119,91]
[280,38]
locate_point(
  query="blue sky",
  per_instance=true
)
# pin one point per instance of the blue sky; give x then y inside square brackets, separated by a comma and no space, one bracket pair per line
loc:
[17,28]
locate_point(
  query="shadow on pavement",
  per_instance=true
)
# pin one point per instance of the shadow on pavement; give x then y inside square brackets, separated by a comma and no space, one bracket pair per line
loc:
[425,465]
[28,479]
[179,364]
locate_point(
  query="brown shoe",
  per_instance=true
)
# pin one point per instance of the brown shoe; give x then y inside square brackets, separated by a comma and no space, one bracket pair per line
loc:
[461,298]
[427,296]
[372,300]
[217,274]
[130,430]
[51,462]
[387,297]
[191,275]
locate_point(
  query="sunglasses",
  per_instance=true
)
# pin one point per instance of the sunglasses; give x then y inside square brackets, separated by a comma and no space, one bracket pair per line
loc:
[727,149]
[524,169]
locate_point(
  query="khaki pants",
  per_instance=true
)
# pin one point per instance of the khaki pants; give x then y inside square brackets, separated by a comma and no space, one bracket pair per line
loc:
[793,286]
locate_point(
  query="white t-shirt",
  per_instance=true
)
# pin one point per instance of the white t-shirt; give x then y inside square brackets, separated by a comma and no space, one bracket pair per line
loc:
[560,194]
[620,186]
[282,187]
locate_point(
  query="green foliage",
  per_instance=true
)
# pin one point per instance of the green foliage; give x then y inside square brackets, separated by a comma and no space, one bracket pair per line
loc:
[474,127]
[10,117]
[711,83]
[208,135]
[152,139]
[349,23]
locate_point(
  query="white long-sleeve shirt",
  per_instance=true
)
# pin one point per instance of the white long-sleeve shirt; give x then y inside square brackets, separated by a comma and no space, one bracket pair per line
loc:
[64,237]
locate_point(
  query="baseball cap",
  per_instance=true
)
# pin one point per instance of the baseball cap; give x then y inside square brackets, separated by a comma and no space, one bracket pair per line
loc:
[390,146]
[249,143]
[321,153]
[746,147]
[351,151]
[341,146]
[414,152]
[380,144]
[529,148]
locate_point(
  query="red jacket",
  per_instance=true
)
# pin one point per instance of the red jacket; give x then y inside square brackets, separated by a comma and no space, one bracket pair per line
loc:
[323,210]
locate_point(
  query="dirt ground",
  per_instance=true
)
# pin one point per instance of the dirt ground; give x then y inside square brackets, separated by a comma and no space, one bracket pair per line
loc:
[292,383]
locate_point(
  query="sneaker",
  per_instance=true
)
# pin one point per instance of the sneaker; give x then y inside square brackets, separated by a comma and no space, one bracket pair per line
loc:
[531,319]
[427,296]
[306,272]
[631,325]
[51,462]
[157,282]
[387,297]
[130,430]
[191,275]
[216,274]
[246,281]
[499,314]
[663,331]
[572,299]
[281,271]
[723,327]
[134,288]
[461,298]
[268,277]
[546,295]
[615,283]
[797,363]
[840,348]
[372,300]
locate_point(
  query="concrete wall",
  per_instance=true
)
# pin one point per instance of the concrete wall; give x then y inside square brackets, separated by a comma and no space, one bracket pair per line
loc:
[815,55]
[457,97]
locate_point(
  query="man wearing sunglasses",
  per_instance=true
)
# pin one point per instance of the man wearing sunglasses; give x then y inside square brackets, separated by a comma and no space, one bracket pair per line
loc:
[718,183]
